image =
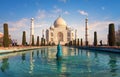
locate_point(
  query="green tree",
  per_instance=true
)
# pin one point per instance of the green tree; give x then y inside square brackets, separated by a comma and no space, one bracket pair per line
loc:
[74,43]
[24,38]
[118,36]
[6,36]
[44,42]
[5,64]
[37,41]
[81,42]
[95,38]
[70,43]
[32,40]
[111,35]
[23,56]
[78,42]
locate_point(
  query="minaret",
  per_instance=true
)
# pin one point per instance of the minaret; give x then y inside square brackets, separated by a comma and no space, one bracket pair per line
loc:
[86,33]
[31,30]
[43,33]
[75,34]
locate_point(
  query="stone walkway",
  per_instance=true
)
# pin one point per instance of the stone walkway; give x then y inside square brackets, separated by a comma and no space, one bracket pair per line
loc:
[102,48]
[20,48]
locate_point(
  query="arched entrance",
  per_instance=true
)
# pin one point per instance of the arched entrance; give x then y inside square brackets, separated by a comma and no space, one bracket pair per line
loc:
[60,36]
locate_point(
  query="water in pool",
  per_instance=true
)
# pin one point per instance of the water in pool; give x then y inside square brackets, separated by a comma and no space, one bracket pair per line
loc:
[75,63]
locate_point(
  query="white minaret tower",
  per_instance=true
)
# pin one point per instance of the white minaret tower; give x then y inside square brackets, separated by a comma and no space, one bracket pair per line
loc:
[75,33]
[31,30]
[86,33]
[43,33]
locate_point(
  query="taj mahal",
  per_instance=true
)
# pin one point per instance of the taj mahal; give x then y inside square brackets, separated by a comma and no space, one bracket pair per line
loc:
[60,32]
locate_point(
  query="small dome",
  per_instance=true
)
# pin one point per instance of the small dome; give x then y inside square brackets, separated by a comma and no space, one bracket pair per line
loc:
[60,22]
[52,27]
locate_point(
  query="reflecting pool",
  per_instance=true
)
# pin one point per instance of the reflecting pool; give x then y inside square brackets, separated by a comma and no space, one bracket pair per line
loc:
[75,63]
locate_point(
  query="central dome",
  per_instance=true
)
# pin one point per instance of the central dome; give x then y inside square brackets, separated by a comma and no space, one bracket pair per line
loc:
[60,22]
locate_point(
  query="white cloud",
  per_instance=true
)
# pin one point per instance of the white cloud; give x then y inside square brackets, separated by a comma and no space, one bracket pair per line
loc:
[66,12]
[99,25]
[102,25]
[41,24]
[57,10]
[82,12]
[64,1]
[41,14]
[13,26]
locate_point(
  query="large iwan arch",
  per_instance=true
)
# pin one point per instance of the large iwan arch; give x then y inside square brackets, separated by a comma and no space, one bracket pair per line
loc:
[60,36]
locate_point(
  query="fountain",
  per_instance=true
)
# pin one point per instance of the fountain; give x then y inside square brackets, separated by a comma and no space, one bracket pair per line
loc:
[59,52]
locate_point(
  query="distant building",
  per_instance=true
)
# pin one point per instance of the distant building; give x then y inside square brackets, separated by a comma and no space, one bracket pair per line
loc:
[59,32]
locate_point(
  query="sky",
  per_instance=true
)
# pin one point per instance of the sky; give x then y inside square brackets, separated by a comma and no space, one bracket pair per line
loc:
[100,13]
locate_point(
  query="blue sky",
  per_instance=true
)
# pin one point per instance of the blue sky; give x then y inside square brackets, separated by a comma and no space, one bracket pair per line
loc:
[17,13]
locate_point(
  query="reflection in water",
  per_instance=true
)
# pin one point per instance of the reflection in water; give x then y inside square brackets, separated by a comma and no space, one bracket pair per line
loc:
[96,55]
[88,54]
[31,61]
[113,65]
[38,53]
[59,65]
[32,53]
[78,52]
[75,51]
[43,52]
[23,56]
[88,61]
[5,64]
[96,59]
[81,52]
[75,63]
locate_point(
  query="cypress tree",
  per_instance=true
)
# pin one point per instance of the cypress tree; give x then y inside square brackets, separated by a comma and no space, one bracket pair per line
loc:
[118,36]
[69,43]
[41,41]
[75,42]
[95,38]
[111,35]
[44,42]
[32,40]
[24,38]
[78,42]
[6,36]
[37,41]
[23,56]
[5,64]
[81,42]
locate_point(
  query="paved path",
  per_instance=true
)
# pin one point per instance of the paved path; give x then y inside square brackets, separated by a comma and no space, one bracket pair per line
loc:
[16,49]
[101,48]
